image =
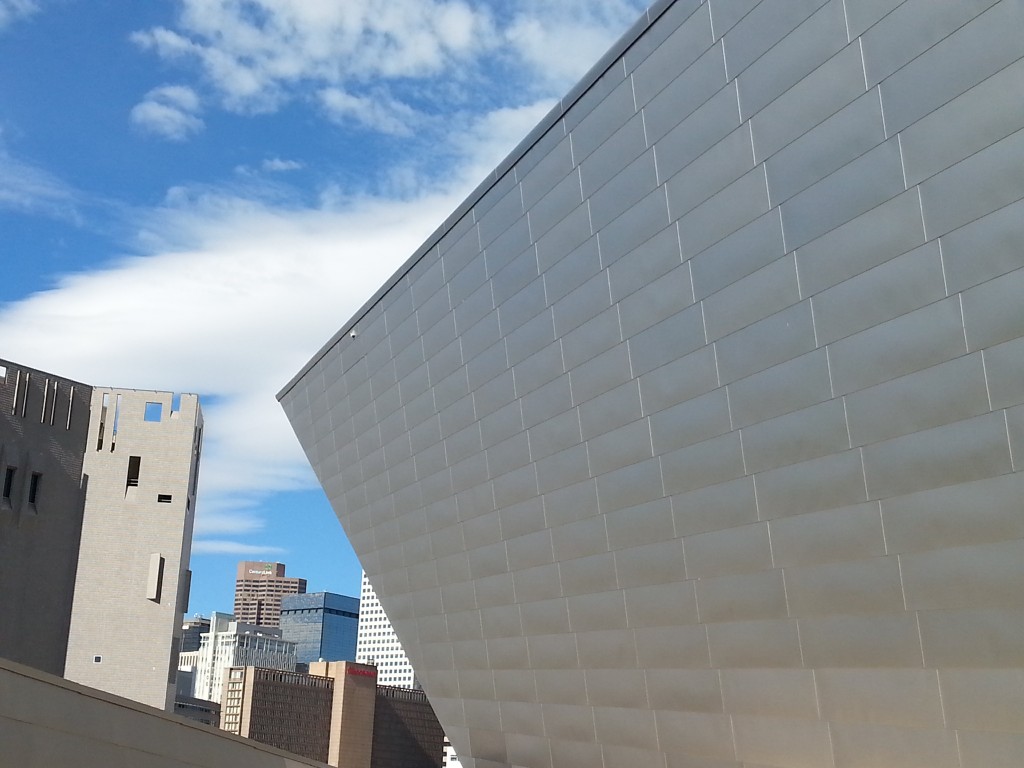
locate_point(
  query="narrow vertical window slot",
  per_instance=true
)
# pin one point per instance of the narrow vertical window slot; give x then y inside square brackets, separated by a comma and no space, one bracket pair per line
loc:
[134,467]
[46,401]
[24,394]
[9,474]
[71,405]
[33,488]
[17,391]
[103,420]
[53,403]
[117,416]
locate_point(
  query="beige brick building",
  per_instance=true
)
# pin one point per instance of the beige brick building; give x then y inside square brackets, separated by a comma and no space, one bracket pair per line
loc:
[141,467]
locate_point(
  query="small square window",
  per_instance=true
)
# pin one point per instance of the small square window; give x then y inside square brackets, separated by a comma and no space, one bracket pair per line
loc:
[154,411]
[97,659]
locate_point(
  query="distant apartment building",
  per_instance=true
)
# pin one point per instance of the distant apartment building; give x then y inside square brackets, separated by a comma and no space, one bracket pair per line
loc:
[97,509]
[231,643]
[323,626]
[378,644]
[336,714]
[259,587]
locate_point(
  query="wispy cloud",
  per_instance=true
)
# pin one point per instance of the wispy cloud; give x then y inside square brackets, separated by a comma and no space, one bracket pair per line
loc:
[253,52]
[30,189]
[554,40]
[277,165]
[11,10]
[229,296]
[170,111]
[225,547]
[364,60]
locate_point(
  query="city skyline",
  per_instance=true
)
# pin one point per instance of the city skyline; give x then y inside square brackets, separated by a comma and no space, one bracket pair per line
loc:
[172,198]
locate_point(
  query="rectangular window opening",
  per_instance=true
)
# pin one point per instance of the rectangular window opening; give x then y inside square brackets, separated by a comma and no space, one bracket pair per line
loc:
[33,487]
[9,482]
[164,498]
[154,412]
[3,372]
[117,416]
[134,466]
[103,420]
[175,403]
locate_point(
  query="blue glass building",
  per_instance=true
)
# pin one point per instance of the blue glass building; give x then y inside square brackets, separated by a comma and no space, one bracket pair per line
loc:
[322,624]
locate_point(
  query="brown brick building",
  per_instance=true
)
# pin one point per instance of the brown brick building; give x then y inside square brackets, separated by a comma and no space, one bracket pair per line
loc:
[337,714]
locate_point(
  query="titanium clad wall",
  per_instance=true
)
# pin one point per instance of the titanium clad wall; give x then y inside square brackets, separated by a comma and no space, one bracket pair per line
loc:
[694,437]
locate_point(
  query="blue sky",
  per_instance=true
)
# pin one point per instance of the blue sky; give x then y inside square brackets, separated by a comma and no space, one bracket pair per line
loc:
[195,194]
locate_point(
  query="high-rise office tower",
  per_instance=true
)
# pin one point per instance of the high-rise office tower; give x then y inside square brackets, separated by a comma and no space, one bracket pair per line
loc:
[712,403]
[378,644]
[322,625]
[232,643]
[259,587]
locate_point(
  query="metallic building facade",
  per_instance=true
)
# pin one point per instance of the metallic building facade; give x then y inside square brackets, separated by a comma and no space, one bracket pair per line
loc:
[694,436]
[323,626]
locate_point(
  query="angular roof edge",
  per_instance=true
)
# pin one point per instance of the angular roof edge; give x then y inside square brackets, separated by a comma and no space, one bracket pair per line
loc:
[647,18]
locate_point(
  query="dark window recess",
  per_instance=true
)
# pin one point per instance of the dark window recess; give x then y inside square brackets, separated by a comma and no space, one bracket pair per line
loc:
[164,498]
[33,487]
[134,465]
[9,482]
[97,659]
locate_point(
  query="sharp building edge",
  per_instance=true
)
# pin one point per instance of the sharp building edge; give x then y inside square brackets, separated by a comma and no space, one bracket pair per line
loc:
[694,436]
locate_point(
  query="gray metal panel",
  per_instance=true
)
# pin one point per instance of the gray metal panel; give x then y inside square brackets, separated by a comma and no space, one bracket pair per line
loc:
[595,537]
[977,50]
[909,343]
[980,116]
[791,58]
[973,187]
[855,188]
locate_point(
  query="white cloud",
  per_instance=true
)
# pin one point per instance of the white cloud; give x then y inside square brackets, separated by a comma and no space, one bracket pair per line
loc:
[380,113]
[11,10]
[556,39]
[373,61]
[276,165]
[27,188]
[226,547]
[229,298]
[253,51]
[170,111]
